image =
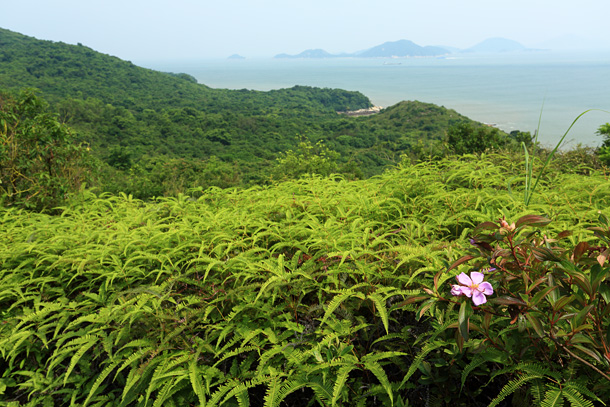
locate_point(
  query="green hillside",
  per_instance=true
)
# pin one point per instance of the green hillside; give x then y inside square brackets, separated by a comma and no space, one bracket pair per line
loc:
[63,71]
[142,124]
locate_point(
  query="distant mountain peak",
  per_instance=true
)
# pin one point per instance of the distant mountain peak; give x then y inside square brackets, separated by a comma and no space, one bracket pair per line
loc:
[402,48]
[310,53]
[390,49]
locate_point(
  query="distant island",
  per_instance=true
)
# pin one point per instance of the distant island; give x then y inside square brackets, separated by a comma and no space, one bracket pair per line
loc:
[236,56]
[406,49]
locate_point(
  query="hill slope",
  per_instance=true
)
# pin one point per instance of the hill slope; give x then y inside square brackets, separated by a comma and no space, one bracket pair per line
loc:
[145,122]
[62,70]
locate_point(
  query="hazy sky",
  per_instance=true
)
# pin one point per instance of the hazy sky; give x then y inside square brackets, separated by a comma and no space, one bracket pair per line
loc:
[140,30]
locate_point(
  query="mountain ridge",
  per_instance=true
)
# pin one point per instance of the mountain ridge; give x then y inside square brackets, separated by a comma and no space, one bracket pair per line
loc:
[405,49]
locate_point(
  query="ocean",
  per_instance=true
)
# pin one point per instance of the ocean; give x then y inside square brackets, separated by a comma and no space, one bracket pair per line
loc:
[507,90]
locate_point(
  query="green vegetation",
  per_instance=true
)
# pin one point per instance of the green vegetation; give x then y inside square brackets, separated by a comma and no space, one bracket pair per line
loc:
[39,160]
[140,123]
[307,291]
[604,151]
[473,272]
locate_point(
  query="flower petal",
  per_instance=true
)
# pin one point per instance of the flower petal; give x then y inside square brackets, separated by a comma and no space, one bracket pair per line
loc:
[456,290]
[478,298]
[477,278]
[467,291]
[464,279]
[486,288]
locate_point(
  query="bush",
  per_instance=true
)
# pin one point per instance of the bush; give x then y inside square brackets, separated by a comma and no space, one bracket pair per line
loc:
[541,318]
[40,163]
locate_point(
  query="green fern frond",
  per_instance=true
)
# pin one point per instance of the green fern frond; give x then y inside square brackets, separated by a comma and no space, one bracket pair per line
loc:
[196,382]
[381,375]
[99,380]
[336,302]
[339,387]
[575,398]
[489,354]
[419,359]
[169,388]
[273,393]
[580,387]
[513,386]
[288,387]
[89,340]
[381,309]
[323,391]
[552,398]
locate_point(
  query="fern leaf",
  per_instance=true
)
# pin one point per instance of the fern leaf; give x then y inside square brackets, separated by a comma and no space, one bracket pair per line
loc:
[419,358]
[382,309]
[322,390]
[381,375]
[169,388]
[99,380]
[273,392]
[91,340]
[488,355]
[582,389]
[513,386]
[335,303]
[288,387]
[374,357]
[575,398]
[196,382]
[552,398]
[339,386]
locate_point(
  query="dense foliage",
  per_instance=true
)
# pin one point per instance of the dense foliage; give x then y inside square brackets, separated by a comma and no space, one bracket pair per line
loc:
[143,123]
[40,162]
[604,150]
[469,280]
[305,293]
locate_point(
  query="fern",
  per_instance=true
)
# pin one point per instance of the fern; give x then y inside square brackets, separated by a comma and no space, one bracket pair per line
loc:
[381,309]
[513,386]
[339,389]
[381,375]
[89,340]
[490,354]
[419,359]
[552,398]
[99,380]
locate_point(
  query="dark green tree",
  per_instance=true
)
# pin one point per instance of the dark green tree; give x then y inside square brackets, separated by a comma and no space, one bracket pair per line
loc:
[465,138]
[40,163]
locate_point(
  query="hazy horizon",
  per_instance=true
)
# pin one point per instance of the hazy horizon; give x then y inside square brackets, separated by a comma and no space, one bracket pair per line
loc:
[189,29]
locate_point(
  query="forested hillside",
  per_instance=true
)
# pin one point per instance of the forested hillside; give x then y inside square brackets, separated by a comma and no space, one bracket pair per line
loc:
[143,125]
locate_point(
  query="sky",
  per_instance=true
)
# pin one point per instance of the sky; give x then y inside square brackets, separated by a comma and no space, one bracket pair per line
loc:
[156,30]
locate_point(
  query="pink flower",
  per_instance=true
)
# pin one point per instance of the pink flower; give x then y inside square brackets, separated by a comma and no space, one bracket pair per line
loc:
[473,287]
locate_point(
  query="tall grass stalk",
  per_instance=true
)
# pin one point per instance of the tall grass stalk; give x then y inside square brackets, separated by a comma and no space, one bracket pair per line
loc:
[529,189]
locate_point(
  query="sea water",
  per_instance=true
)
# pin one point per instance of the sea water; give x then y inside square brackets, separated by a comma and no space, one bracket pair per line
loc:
[509,91]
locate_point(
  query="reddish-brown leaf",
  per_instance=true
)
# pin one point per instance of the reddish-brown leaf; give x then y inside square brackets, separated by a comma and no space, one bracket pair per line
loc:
[461,260]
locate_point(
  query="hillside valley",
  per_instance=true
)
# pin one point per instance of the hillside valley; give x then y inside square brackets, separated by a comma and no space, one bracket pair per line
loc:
[143,124]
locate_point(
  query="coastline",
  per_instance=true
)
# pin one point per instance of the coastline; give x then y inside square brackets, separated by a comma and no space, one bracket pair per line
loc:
[362,112]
